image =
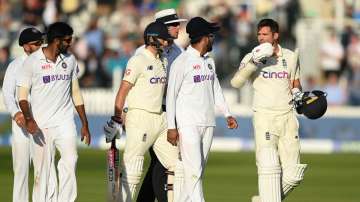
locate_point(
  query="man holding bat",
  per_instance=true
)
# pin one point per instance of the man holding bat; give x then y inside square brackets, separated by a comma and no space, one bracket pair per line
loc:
[143,88]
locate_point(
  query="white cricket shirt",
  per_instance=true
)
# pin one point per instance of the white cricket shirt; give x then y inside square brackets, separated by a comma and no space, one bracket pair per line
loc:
[272,82]
[193,91]
[9,85]
[147,73]
[50,87]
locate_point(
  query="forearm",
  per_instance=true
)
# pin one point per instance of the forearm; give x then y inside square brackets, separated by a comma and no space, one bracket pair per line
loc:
[23,93]
[120,98]
[82,114]
[243,74]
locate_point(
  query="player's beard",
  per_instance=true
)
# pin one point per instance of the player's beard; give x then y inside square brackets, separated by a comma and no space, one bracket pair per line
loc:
[210,46]
[63,49]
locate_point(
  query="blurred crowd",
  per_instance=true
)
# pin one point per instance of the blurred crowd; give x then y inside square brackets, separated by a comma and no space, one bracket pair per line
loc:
[107,32]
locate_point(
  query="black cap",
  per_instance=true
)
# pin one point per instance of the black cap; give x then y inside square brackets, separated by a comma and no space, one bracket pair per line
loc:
[198,27]
[29,35]
[58,30]
[157,29]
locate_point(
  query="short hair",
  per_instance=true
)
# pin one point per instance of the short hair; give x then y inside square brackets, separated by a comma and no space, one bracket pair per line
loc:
[267,22]
[58,30]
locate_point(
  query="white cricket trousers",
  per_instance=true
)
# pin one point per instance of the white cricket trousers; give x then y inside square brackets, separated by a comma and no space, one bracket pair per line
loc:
[63,138]
[21,157]
[143,130]
[195,143]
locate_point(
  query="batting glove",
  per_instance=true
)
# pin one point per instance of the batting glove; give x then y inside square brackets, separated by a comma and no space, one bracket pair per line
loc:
[261,52]
[297,96]
[113,129]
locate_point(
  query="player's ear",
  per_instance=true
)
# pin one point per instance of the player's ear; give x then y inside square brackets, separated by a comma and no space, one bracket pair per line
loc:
[276,36]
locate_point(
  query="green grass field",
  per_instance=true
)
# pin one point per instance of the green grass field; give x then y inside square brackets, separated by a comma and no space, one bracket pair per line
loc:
[229,177]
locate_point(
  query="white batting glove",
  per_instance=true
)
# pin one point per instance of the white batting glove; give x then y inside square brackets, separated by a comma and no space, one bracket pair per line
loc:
[261,52]
[297,96]
[113,129]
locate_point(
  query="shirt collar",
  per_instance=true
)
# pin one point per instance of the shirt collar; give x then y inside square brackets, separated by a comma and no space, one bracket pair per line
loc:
[149,54]
[193,51]
[280,53]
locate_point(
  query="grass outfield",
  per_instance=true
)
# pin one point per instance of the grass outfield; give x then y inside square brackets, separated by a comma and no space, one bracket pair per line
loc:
[229,177]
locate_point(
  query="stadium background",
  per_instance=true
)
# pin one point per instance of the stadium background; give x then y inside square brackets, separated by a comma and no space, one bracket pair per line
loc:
[108,31]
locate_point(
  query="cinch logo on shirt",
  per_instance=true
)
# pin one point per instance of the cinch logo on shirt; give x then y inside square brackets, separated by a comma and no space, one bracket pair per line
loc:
[206,77]
[275,75]
[156,80]
[57,77]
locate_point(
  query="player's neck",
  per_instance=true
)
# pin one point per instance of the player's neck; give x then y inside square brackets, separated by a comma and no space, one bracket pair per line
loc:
[51,53]
[201,48]
[152,50]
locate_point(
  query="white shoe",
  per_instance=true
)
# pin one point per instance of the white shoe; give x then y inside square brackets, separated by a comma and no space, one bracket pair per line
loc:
[255,199]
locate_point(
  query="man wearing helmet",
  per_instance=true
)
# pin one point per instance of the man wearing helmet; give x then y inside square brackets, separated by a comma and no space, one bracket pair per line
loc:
[274,73]
[143,87]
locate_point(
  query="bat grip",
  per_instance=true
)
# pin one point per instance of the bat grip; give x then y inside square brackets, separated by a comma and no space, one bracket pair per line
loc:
[113,143]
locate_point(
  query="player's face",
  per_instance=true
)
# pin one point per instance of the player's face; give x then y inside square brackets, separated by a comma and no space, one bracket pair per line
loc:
[173,29]
[210,43]
[265,35]
[65,44]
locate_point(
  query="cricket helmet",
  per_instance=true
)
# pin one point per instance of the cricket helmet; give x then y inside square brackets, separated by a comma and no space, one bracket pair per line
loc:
[313,104]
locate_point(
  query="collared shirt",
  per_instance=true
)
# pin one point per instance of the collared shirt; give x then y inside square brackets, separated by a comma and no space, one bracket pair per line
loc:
[170,53]
[9,85]
[147,73]
[193,91]
[272,82]
[50,86]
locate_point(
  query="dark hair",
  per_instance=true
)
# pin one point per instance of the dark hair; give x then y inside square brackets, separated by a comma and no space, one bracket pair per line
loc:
[58,30]
[267,22]
[196,40]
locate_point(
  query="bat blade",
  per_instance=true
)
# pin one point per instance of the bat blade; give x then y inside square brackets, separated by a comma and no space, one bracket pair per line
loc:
[113,173]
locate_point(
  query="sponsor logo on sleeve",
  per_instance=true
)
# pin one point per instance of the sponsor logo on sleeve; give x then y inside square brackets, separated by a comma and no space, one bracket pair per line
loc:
[46,66]
[127,72]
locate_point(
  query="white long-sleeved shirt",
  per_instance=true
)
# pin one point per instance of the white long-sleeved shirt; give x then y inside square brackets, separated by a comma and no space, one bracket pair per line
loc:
[193,91]
[50,84]
[9,85]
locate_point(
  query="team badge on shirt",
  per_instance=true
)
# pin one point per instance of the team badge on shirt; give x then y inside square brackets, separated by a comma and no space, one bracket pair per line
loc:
[284,63]
[210,67]
[150,67]
[64,65]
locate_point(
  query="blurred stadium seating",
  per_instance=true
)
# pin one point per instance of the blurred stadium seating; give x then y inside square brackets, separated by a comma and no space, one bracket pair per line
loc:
[108,31]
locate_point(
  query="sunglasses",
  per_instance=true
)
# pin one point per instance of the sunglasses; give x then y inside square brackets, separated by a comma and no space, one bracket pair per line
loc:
[174,24]
[36,43]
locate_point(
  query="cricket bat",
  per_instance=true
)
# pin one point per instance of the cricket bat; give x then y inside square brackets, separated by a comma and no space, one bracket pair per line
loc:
[113,173]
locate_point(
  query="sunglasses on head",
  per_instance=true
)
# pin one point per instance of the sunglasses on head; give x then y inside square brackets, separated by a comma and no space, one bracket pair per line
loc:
[35,43]
[174,24]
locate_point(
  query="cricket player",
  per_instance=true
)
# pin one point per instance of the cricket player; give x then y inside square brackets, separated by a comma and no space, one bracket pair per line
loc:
[30,40]
[50,73]
[192,95]
[158,182]
[274,73]
[143,87]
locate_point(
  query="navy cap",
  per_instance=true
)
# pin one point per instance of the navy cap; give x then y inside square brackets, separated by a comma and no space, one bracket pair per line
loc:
[198,27]
[29,35]
[157,29]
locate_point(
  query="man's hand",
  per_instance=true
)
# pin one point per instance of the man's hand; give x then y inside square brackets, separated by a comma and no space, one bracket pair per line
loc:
[85,134]
[19,119]
[113,129]
[172,136]
[261,52]
[297,95]
[31,125]
[231,122]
